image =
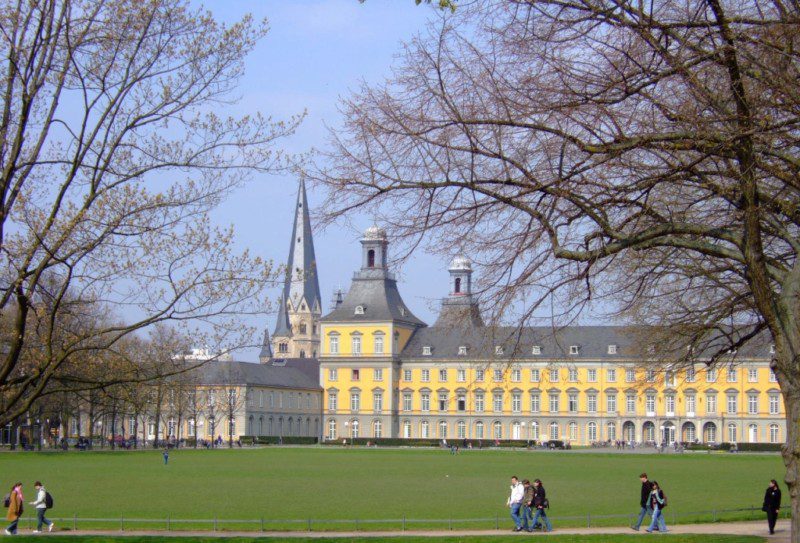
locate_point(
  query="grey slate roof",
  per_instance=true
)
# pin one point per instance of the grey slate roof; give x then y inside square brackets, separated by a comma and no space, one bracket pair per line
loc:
[302,280]
[378,293]
[283,373]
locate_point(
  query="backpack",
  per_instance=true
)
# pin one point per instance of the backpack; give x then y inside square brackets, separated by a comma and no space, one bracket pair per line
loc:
[7,501]
[663,497]
[48,500]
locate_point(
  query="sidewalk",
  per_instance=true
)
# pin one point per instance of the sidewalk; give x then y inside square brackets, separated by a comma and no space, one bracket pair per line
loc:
[758,528]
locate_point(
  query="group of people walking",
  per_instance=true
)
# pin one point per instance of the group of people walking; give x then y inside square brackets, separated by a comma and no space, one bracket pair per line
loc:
[652,504]
[528,503]
[14,501]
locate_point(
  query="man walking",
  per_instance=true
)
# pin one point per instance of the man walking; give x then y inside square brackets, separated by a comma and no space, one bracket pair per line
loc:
[515,502]
[527,503]
[41,506]
[166,456]
[646,511]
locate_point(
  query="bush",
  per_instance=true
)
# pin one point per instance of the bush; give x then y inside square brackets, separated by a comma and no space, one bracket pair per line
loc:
[276,440]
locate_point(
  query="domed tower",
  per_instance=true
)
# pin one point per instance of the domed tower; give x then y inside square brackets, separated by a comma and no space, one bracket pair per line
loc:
[460,308]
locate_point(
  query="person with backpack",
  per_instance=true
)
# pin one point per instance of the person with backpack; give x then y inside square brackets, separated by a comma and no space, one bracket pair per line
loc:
[772,504]
[43,502]
[540,503]
[14,503]
[658,501]
[647,488]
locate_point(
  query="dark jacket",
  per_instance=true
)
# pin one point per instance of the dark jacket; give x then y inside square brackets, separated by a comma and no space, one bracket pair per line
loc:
[772,499]
[647,488]
[527,499]
[538,496]
[657,499]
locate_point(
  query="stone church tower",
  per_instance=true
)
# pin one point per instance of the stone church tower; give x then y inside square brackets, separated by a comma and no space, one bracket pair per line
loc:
[296,333]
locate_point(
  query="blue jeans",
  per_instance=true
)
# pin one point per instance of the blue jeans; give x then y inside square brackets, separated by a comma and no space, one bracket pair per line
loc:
[515,514]
[13,526]
[40,518]
[541,516]
[527,515]
[658,518]
[645,512]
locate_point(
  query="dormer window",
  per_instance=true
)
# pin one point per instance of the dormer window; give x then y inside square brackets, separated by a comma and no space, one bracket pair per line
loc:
[612,349]
[457,289]
[772,349]
[403,311]
[537,349]
[573,349]
[498,350]
[371,258]
[462,350]
[426,350]
[359,310]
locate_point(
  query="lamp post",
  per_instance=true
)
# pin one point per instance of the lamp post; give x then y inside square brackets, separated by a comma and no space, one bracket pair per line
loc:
[346,431]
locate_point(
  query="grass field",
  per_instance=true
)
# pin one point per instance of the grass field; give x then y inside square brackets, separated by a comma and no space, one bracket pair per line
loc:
[488,539]
[327,484]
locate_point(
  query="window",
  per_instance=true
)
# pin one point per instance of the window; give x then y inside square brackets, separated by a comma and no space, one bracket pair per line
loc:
[461,376]
[752,375]
[359,310]
[479,375]
[650,376]
[534,429]
[553,430]
[333,341]
[630,403]
[479,402]
[331,429]
[650,404]
[772,377]
[272,399]
[406,375]
[731,433]
[356,375]
[572,403]
[377,401]
[424,429]
[630,375]
[283,347]
[611,375]
[377,429]
[516,402]
[537,349]
[377,374]
[774,433]
[462,350]
[426,350]
[772,349]
[497,402]
[612,349]
[591,375]
[371,258]
[498,350]
[461,402]
[732,407]
[355,401]
[191,430]
[535,376]
[573,431]
[536,400]
[554,375]
[426,376]
[332,401]
[611,403]
[461,429]
[260,398]
[497,375]
[407,399]
[669,402]
[690,375]
[355,343]
[302,328]
[690,405]
[516,375]
[443,402]
[573,349]
[425,401]
[611,432]
[591,403]
[554,402]
[591,430]
[332,374]
[773,404]
[407,429]
[711,375]
[479,430]
[498,430]
[669,379]
[752,404]
[443,376]
[711,403]
[378,343]
[732,375]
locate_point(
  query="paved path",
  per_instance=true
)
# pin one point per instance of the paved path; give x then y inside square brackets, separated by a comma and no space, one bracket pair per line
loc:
[733,528]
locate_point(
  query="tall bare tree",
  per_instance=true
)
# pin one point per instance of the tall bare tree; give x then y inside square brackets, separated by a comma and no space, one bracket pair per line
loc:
[643,151]
[114,147]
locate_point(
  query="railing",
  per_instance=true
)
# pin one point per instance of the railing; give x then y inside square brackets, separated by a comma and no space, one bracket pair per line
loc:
[403,524]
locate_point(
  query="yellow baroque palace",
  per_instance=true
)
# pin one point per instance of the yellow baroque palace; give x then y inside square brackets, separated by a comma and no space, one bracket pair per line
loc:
[385,373]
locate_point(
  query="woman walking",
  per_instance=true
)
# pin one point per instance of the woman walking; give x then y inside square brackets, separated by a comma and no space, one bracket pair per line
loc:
[772,504]
[657,503]
[540,503]
[15,502]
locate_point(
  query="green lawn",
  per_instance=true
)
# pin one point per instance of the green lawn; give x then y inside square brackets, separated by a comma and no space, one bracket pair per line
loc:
[337,486]
[412,539]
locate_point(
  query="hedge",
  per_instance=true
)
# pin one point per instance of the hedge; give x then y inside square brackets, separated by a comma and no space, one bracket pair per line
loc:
[276,440]
[742,447]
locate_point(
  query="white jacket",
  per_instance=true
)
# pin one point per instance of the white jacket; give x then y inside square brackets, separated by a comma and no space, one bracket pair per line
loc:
[517,493]
[39,503]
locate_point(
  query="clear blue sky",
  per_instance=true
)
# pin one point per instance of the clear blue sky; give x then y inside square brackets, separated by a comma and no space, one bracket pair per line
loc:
[316,51]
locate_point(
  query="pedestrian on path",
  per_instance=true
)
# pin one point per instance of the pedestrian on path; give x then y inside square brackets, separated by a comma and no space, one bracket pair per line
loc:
[41,507]
[15,508]
[658,501]
[646,511]
[772,504]
[527,504]
[166,456]
[515,502]
[540,503]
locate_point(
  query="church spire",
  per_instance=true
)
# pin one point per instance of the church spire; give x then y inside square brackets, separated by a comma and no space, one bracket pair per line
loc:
[296,331]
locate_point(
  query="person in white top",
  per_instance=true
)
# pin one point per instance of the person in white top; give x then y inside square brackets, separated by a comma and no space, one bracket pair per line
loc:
[515,502]
[41,506]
